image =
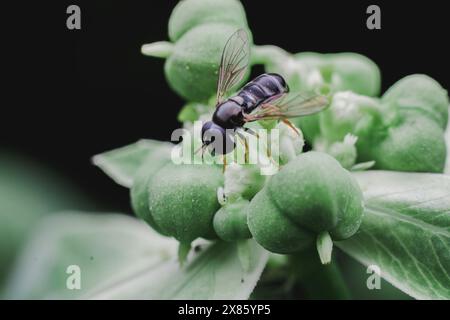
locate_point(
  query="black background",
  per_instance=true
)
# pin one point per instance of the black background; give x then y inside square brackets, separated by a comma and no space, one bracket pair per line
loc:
[68,95]
[169,308]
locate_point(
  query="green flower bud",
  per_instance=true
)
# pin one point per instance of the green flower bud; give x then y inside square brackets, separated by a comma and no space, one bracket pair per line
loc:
[277,60]
[422,94]
[272,229]
[311,195]
[345,151]
[230,222]
[188,113]
[351,113]
[192,68]
[183,200]
[290,143]
[309,71]
[323,196]
[310,126]
[415,144]
[188,14]
[403,131]
[139,190]
[243,181]
[345,71]
[199,30]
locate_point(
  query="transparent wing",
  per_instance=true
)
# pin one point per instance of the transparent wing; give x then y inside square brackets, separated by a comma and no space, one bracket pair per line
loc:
[234,62]
[289,106]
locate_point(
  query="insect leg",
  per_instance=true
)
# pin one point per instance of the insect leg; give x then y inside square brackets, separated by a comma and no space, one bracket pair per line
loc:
[269,146]
[290,125]
[245,141]
[224,163]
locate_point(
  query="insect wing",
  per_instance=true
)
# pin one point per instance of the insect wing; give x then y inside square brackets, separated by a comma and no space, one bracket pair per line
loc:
[234,62]
[290,106]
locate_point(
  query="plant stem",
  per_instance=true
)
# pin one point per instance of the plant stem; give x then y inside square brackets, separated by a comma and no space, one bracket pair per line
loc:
[326,283]
[315,280]
[183,251]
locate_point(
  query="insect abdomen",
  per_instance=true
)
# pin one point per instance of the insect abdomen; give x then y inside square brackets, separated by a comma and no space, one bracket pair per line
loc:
[263,88]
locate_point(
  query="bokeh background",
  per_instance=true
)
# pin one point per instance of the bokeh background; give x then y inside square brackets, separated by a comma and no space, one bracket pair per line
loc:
[68,95]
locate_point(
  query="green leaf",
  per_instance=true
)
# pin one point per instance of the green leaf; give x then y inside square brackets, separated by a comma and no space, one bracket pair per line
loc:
[406,231]
[104,246]
[216,273]
[28,191]
[302,276]
[122,258]
[356,275]
[244,251]
[447,141]
[122,164]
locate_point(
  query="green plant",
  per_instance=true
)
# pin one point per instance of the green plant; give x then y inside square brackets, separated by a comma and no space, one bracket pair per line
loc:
[314,201]
[311,197]
[404,130]
[198,31]
[245,235]
[309,70]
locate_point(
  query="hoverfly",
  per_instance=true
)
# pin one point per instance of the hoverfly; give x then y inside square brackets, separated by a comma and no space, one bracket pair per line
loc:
[265,97]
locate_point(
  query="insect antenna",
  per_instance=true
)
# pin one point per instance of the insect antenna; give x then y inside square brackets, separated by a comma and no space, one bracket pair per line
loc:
[248,130]
[202,149]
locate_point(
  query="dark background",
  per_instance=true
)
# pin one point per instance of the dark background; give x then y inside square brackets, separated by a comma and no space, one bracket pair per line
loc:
[68,95]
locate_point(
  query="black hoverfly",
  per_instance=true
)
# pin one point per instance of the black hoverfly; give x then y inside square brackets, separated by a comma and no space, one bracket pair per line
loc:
[265,97]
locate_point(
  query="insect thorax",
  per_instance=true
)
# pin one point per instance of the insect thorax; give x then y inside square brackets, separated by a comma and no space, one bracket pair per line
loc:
[228,114]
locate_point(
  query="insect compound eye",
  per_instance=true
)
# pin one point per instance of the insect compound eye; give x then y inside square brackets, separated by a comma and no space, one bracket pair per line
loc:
[211,136]
[205,128]
[209,132]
